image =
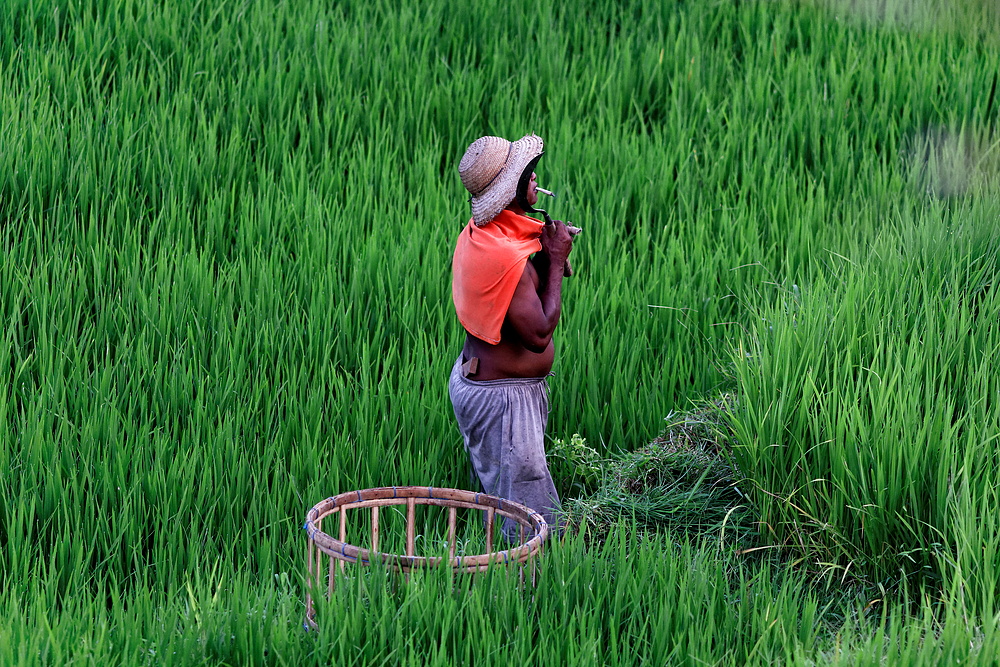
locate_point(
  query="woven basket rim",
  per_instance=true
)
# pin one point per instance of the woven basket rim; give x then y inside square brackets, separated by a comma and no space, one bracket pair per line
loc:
[441,496]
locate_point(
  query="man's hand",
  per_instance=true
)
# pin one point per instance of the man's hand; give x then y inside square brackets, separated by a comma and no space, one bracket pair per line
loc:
[557,242]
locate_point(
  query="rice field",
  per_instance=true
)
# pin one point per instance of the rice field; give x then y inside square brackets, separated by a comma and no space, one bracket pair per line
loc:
[226,238]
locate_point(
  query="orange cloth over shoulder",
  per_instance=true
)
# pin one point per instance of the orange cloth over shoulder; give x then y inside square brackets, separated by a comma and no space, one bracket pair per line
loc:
[487,266]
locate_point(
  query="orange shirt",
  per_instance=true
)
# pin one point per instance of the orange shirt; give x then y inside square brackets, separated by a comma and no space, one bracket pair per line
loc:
[486,268]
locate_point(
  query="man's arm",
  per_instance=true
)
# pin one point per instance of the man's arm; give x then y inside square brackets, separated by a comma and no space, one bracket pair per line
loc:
[537,303]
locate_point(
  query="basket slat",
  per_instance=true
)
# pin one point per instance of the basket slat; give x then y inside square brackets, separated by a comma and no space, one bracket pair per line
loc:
[490,518]
[410,527]
[452,521]
[343,534]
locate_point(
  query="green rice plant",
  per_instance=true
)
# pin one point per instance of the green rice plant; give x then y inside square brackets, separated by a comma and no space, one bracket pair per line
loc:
[631,600]
[440,621]
[863,424]
[224,289]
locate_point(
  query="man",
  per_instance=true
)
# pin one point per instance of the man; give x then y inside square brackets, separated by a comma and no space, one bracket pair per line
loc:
[509,303]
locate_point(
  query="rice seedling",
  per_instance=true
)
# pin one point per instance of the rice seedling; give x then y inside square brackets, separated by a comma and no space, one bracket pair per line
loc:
[224,293]
[876,422]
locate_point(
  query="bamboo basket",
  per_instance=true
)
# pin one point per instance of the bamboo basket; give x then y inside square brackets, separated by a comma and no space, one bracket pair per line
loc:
[533,533]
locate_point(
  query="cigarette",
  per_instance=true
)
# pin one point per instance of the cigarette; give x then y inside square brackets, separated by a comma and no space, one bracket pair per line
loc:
[546,192]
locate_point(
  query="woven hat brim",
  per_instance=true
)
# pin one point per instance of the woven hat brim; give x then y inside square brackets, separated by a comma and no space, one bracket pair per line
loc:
[502,191]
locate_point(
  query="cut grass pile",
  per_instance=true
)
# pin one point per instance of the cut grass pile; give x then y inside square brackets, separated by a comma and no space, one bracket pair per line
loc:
[682,483]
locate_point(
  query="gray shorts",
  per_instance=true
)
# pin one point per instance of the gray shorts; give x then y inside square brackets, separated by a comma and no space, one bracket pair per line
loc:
[503,425]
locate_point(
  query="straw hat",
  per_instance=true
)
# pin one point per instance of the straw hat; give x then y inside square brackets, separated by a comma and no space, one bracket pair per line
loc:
[490,170]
